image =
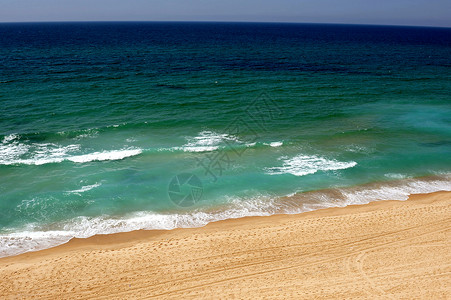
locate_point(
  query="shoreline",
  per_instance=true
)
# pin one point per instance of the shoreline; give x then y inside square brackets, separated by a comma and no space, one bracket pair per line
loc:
[403,245]
[60,233]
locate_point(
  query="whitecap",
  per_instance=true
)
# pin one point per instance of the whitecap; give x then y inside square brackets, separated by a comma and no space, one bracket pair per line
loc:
[105,155]
[308,164]
[40,154]
[206,141]
[9,138]
[85,188]
[276,144]
[11,149]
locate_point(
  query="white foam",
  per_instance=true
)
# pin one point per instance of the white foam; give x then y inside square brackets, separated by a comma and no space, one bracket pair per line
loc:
[304,164]
[358,149]
[91,134]
[276,144]
[33,238]
[9,138]
[398,192]
[49,153]
[84,133]
[117,125]
[199,148]
[85,188]
[206,141]
[40,154]
[11,149]
[26,241]
[105,155]
[395,176]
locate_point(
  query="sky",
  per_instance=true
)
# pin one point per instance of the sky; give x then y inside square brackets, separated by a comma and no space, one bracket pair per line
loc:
[388,12]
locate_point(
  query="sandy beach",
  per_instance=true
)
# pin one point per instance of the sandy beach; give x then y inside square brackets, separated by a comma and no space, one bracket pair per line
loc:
[386,249]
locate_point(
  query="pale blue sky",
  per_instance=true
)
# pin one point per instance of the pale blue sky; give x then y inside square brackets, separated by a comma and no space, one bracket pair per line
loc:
[396,12]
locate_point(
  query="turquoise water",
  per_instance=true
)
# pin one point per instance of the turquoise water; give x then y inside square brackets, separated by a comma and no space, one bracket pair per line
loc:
[110,127]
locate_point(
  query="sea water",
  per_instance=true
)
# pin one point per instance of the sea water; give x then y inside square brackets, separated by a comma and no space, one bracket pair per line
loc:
[113,127]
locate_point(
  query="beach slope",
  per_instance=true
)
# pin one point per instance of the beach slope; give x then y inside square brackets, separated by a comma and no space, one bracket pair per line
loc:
[386,249]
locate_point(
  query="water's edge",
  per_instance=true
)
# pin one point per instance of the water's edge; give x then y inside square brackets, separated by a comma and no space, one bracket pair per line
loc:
[16,243]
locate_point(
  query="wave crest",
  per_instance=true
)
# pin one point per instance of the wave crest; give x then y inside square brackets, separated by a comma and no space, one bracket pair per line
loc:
[304,165]
[207,141]
[14,152]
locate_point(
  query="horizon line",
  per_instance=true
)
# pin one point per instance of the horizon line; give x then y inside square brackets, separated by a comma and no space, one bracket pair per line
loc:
[195,21]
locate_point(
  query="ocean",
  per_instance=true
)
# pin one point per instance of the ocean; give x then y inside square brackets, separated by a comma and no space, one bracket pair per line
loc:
[111,127]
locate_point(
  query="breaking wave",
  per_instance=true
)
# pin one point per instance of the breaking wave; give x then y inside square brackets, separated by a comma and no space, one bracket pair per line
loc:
[304,164]
[15,152]
[34,237]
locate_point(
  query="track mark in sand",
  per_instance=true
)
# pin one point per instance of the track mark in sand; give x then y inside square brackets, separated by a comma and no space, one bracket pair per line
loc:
[358,262]
[436,244]
[278,258]
[275,258]
[353,257]
[350,255]
[354,266]
[374,286]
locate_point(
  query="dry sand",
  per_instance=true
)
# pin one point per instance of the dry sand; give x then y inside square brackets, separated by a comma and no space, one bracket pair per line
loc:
[387,249]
